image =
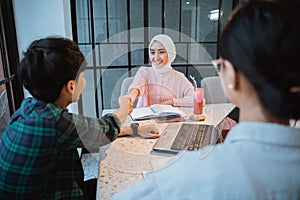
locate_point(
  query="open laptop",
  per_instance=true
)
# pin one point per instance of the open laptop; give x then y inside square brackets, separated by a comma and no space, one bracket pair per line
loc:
[176,137]
[186,136]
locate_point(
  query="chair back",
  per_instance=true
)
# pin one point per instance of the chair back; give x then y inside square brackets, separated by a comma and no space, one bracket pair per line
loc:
[125,85]
[213,90]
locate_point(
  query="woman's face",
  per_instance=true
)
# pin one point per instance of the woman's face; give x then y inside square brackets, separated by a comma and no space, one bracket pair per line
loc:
[158,54]
[226,72]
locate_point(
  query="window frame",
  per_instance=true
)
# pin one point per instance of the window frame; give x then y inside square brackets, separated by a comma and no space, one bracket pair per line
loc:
[10,56]
[92,43]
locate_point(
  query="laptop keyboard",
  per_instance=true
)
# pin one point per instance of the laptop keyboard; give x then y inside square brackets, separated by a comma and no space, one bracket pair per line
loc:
[191,137]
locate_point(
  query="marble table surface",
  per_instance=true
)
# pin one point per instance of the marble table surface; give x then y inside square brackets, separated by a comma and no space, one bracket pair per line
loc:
[125,160]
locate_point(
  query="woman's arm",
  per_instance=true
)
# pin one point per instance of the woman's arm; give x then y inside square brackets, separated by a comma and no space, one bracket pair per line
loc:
[133,94]
[184,92]
[137,88]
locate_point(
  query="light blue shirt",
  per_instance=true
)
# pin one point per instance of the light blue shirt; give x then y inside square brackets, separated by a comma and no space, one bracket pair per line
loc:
[256,161]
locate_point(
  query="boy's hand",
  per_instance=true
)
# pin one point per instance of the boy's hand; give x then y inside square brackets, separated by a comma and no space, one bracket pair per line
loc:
[125,108]
[133,95]
[125,103]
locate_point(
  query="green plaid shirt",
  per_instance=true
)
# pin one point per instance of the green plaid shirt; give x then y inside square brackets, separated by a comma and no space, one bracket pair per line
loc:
[38,150]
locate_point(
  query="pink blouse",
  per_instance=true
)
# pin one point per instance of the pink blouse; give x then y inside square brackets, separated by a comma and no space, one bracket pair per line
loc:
[155,88]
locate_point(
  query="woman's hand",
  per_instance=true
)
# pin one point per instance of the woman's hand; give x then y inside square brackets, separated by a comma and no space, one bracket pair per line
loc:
[133,95]
[148,131]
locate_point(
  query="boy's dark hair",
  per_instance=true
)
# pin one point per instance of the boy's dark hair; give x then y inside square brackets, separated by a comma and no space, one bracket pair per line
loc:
[261,39]
[48,64]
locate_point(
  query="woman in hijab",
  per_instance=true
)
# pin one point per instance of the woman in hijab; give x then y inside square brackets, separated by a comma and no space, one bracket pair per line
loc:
[161,84]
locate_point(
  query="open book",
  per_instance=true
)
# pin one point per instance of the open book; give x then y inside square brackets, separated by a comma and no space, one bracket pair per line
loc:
[156,111]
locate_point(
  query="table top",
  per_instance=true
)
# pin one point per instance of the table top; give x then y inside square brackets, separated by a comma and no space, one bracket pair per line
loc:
[126,159]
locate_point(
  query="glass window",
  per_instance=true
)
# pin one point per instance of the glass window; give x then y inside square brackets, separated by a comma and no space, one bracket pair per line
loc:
[136,14]
[117,20]
[114,54]
[11,91]
[189,19]
[4,109]
[100,25]
[112,80]
[83,16]
[123,30]
[172,18]
[154,13]
[137,54]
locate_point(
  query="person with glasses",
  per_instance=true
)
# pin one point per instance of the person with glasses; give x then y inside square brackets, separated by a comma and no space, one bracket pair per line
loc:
[260,158]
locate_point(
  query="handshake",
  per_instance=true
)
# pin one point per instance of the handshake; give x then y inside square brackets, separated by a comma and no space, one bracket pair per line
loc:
[126,106]
[127,101]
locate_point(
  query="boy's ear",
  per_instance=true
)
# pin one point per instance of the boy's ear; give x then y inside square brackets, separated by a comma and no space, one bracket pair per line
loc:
[70,86]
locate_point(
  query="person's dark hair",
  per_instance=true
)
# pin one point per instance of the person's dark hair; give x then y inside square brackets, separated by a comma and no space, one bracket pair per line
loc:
[48,64]
[261,39]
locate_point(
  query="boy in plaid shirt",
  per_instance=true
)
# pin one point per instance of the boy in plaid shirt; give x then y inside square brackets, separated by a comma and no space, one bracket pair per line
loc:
[38,157]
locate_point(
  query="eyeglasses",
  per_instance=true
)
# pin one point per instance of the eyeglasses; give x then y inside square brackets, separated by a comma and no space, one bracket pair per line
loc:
[218,64]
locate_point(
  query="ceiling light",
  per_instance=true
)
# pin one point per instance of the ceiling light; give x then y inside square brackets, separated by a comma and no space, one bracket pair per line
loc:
[214,15]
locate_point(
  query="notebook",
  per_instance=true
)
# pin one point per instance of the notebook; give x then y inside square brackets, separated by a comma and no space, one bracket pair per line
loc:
[185,136]
[157,111]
